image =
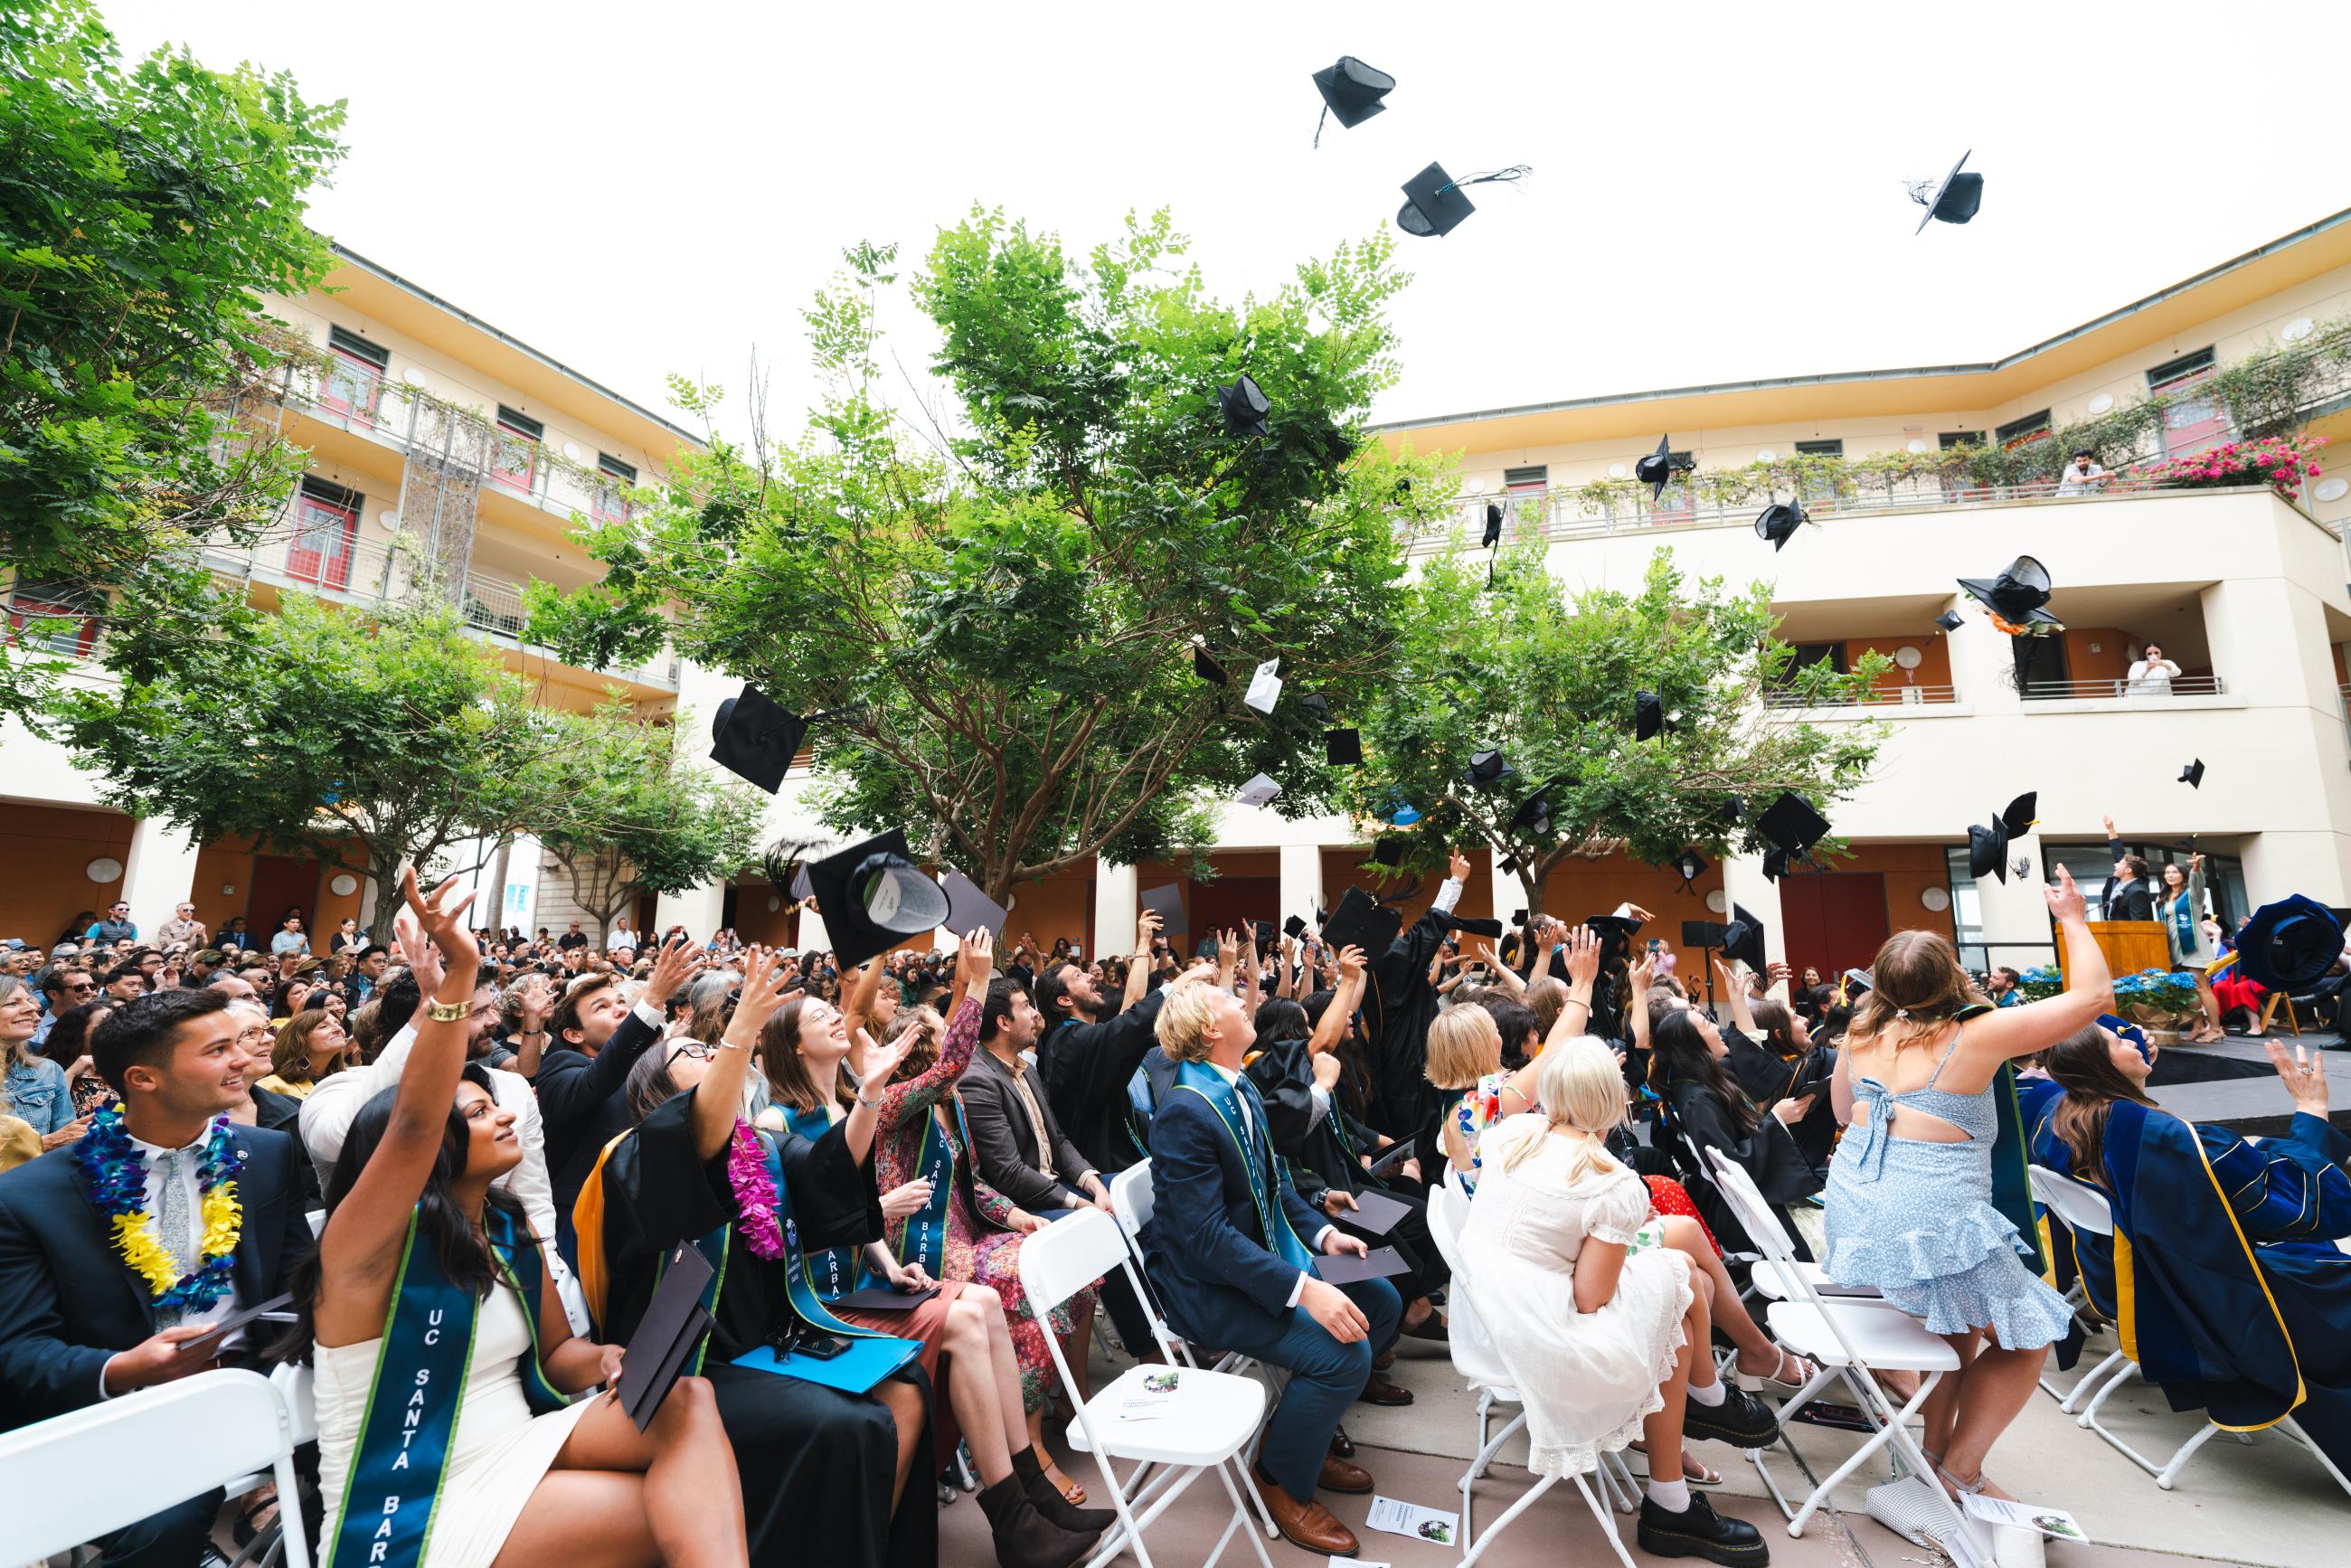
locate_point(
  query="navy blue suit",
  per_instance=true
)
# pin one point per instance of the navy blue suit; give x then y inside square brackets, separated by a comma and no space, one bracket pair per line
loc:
[1223,1285]
[72,1302]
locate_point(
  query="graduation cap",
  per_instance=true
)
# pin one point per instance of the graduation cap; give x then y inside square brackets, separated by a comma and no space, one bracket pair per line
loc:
[1518,917]
[1775,864]
[2017,594]
[1778,522]
[969,909]
[1351,90]
[1359,922]
[1493,526]
[872,895]
[2290,945]
[1477,926]
[755,737]
[1988,847]
[1343,747]
[1387,850]
[1950,619]
[1510,866]
[1245,408]
[1790,826]
[2193,775]
[2124,1029]
[1616,933]
[1951,200]
[1533,815]
[1433,200]
[1489,766]
[1207,668]
[1689,866]
[1316,703]
[1742,937]
[1657,470]
[1648,716]
[1167,903]
[1294,928]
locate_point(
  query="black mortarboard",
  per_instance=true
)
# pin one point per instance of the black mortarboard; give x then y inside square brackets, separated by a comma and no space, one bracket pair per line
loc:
[1615,931]
[1167,903]
[1294,928]
[1952,199]
[2016,595]
[1950,619]
[1351,90]
[1493,526]
[1207,668]
[1736,810]
[1742,938]
[1518,917]
[1775,864]
[2290,945]
[1648,716]
[872,895]
[1988,847]
[1689,866]
[1778,522]
[756,738]
[2193,774]
[969,908]
[1387,850]
[1343,747]
[1434,203]
[1358,922]
[1316,703]
[1509,865]
[1790,824]
[1477,926]
[1245,408]
[1534,814]
[1487,766]
[1657,470]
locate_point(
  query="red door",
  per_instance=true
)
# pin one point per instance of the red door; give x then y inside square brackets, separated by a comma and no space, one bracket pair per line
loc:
[2191,422]
[1836,919]
[281,882]
[1224,904]
[324,537]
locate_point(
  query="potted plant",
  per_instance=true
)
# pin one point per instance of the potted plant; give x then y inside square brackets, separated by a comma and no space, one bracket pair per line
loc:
[2157,1000]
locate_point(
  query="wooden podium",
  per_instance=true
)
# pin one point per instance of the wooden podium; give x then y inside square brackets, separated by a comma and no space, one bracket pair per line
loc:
[2129,945]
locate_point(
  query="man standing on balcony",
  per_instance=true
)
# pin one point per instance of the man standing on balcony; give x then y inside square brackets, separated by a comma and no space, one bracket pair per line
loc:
[2081,476]
[2152,676]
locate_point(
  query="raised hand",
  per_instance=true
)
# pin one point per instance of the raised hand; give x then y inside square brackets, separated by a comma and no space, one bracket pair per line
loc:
[1643,970]
[679,962]
[976,962]
[423,958]
[763,993]
[2066,901]
[1582,956]
[1458,867]
[1351,965]
[2304,1076]
[1146,930]
[882,1061]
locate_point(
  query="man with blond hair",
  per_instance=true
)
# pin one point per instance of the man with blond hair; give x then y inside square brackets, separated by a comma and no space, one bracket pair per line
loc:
[1228,1252]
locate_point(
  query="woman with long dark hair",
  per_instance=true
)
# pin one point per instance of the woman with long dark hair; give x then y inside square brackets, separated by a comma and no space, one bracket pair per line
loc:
[2183,907]
[1689,1070]
[442,1356]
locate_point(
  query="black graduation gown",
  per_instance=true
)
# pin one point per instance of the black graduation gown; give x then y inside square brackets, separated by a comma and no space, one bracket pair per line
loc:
[816,1463]
[1086,1068]
[1768,1153]
[1398,1010]
[1769,1078]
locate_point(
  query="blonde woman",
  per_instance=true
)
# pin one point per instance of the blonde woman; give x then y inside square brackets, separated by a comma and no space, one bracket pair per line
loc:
[310,1046]
[1603,1325]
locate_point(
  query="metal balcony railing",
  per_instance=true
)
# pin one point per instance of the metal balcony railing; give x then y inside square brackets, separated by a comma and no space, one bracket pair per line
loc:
[1877,697]
[2182,686]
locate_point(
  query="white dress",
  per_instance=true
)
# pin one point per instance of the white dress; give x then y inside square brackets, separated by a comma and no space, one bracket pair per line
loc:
[1588,1378]
[500,1450]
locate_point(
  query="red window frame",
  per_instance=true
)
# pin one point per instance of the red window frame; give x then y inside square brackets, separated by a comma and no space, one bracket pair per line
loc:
[519,478]
[369,377]
[28,606]
[326,536]
[2185,432]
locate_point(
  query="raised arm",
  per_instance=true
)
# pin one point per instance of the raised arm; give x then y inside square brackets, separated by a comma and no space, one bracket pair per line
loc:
[1636,1006]
[718,1100]
[861,993]
[1742,1016]
[1582,945]
[1995,1037]
[1502,973]
[1138,968]
[1333,1027]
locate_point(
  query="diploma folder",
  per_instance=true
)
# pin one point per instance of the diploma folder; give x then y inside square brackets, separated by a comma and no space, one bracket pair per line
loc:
[856,1370]
[673,1323]
[1376,1212]
[1345,1268]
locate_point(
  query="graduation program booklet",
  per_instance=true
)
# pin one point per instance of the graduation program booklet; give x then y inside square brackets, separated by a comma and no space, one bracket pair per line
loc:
[1345,1268]
[2052,1522]
[1399,1517]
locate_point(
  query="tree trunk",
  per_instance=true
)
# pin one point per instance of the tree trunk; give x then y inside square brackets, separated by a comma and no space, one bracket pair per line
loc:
[386,881]
[498,888]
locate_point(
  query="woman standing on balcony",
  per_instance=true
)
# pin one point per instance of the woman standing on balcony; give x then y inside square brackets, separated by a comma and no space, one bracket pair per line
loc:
[2152,676]
[2183,907]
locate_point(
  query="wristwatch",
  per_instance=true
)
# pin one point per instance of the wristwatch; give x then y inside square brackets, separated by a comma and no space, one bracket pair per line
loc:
[440,1011]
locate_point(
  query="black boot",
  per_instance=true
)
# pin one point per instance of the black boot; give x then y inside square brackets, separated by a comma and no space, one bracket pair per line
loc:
[1039,1487]
[1025,1538]
[1701,1533]
[1741,1420]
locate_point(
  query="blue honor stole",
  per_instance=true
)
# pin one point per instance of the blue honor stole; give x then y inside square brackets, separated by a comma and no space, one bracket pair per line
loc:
[835,1271]
[393,1490]
[1272,1222]
[925,1240]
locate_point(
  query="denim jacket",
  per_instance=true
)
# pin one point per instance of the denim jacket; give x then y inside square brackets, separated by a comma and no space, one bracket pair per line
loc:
[36,1092]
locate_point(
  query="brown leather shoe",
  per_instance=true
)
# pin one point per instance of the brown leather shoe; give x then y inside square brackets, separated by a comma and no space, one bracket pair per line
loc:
[1378,1390]
[1342,1445]
[1385,1360]
[1338,1476]
[1305,1524]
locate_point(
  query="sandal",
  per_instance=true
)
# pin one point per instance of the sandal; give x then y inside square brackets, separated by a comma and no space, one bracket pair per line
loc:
[1695,1471]
[1805,1371]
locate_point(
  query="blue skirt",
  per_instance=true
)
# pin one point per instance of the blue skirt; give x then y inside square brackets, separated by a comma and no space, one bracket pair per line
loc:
[1920,1228]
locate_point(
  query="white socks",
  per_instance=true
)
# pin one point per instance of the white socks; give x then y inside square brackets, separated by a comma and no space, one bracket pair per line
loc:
[1711,1395]
[1672,1496]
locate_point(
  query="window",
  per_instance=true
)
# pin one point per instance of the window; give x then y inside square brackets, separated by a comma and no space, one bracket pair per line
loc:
[326,533]
[1820,448]
[613,499]
[354,375]
[1951,438]
[1819,487]
[2016,432]
[514,459]
[1677,504]
[53,617]
[2191,422]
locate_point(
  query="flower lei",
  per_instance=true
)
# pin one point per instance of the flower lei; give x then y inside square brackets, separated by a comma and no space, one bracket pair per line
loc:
[755,1193]
[117,1173]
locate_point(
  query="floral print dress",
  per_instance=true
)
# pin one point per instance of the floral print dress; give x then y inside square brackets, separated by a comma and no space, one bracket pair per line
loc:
[980,1246]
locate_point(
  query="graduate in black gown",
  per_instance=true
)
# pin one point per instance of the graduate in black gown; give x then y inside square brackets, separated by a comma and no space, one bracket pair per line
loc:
[1397,1009]
[818,1466]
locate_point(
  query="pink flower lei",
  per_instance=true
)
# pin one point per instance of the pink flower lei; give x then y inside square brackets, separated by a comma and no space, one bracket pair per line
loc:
[755,1193]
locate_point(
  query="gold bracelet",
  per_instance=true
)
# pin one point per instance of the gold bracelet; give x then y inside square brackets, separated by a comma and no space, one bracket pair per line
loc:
[440,1011]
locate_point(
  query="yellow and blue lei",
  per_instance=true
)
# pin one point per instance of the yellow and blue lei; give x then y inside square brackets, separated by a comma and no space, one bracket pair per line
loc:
[117,1173]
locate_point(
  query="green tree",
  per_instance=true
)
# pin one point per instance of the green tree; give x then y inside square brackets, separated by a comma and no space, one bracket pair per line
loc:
[142,211]
[1553,679]
[1007,595]
[320,731]
[651,818]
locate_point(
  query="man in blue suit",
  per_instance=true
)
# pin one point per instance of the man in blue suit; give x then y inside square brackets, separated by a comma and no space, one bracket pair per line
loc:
[80,1325]
[1228,1252]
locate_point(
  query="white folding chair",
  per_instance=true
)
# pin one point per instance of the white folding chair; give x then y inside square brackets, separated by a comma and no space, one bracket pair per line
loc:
[1475,1358]
[1850,1343]
[1213,1419]
[296,1386]
[182,1439]
[2077,1208]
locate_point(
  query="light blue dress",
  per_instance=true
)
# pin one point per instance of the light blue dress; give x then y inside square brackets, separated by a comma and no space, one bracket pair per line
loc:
[1915,1220]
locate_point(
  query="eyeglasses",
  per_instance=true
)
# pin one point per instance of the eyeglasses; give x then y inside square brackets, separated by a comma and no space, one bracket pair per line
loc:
[693,1048]
[80,986]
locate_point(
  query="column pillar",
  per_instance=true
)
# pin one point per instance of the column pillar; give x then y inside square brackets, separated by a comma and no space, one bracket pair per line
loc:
[813,933]
[159,873]
[1116,907]
[1983,660]
[1509,889]
[1744,886]
[2014,914]
[701,910]
[1302,880]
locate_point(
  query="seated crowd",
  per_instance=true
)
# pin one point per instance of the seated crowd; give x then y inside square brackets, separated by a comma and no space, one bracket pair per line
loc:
[522,1135]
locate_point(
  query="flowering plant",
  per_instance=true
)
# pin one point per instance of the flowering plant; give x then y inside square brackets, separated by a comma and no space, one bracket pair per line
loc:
[755,1193]
[2280,462]
[2040,983]
[2154,995]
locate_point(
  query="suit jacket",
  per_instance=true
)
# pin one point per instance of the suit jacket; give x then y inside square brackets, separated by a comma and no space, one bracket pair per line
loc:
[1004,1138]
[581,1109]
[2129,901]
[72,1302]
[1085,1068]
[1208,1256]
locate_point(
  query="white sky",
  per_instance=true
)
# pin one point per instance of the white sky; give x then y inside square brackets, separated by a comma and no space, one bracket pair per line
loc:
[1717,190]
